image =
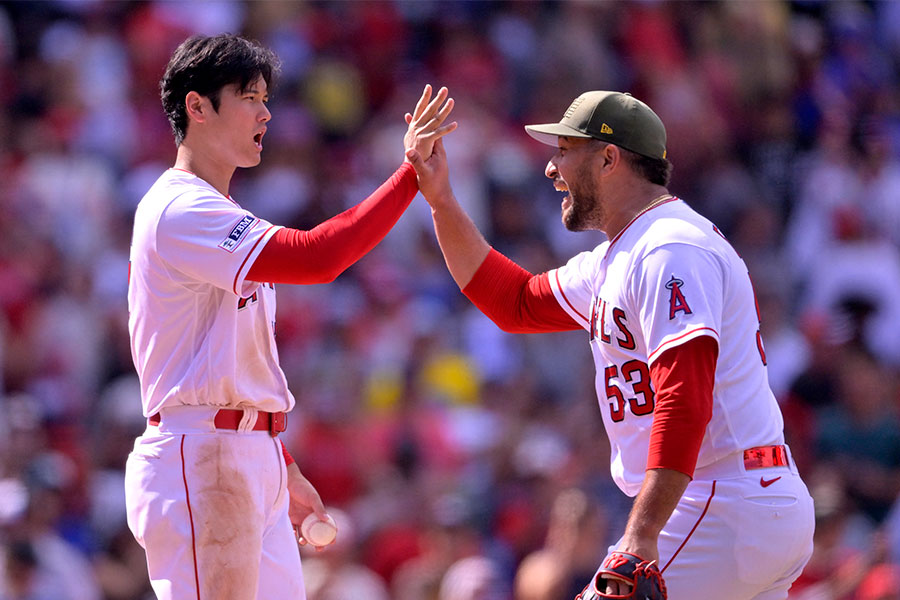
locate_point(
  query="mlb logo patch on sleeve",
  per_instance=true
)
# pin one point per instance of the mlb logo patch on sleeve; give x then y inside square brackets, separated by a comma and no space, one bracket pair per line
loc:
[237,234]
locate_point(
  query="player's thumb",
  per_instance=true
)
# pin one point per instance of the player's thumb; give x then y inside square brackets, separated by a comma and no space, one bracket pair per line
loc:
[318,507]
[413,156]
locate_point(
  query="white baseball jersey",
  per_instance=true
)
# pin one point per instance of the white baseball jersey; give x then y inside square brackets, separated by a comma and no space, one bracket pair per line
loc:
[200,333]
[667,278]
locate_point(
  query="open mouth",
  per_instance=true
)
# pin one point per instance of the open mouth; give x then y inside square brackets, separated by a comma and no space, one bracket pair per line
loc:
[257,139]
[560,186]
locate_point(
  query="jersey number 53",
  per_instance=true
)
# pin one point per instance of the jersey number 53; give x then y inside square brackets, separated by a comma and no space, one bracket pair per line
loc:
[637,374]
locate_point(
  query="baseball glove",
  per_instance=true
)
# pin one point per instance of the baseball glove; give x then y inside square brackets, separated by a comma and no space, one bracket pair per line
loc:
[643,576]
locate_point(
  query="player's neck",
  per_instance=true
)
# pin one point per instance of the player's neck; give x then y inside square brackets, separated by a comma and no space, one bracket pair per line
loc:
[633,201]
[205,166]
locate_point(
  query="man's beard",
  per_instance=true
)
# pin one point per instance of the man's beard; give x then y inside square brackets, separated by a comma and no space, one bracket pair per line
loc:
[585,213]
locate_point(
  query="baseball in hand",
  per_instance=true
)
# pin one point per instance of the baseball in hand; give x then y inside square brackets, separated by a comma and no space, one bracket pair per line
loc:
[318,532]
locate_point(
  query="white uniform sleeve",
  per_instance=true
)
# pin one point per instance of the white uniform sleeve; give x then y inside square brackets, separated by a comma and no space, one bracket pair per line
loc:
[678,291]
[571,285]
[213,240]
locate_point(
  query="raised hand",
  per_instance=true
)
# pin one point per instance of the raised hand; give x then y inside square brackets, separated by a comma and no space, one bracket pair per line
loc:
[425,123]
[433,174]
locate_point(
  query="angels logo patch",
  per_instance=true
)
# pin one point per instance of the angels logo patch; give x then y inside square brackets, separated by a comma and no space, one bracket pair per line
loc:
[677,301]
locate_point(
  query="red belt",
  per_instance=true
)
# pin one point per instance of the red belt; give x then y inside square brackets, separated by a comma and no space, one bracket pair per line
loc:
[765,456]
[229,418]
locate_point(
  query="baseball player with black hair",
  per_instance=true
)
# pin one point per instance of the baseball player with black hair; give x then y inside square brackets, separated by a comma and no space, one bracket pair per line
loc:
[696,434]
[211,492]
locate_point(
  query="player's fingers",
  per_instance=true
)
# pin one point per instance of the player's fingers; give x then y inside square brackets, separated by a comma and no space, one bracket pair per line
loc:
[423,101]
[433,106]
[441,131]
[617,587]
[316,505]
[611,587]
[437,134]
[408,118]
[300,539]
[445,110]
[438,118]
[438,150]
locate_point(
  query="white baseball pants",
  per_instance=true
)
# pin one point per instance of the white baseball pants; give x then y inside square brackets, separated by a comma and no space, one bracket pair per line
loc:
[737,534]
[210,507]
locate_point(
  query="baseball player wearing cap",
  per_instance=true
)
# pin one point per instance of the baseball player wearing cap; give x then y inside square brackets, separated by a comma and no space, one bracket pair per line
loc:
[211,493]
[696,434]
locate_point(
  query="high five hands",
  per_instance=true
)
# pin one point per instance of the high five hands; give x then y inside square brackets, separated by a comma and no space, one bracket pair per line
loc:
[425,123]
[424,146]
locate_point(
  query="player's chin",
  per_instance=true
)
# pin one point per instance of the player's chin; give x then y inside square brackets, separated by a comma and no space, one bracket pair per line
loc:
[251,161]
[573,222]
[568,217]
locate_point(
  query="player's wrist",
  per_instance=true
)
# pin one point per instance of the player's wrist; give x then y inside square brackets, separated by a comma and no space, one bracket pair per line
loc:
[642,544]
[440,200]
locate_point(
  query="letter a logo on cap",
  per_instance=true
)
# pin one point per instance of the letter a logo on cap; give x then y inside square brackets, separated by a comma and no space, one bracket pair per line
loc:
[606,129]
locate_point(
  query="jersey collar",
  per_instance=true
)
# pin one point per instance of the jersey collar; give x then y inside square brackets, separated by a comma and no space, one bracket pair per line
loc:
[203,180]
[639,215]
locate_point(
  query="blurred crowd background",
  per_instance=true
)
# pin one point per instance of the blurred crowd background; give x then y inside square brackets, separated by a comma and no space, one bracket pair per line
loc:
[462,463]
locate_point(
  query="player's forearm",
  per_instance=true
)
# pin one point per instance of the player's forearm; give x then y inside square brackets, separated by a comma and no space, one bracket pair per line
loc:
[353,233]
[324,252]
[514,299]
[463,246]
[659,495]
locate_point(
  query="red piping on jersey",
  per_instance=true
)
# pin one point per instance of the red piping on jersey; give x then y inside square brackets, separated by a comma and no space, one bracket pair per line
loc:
[636,217]
[249,254]
[183,171]
[675,339]
[187,496]
[563,294]
[712,493]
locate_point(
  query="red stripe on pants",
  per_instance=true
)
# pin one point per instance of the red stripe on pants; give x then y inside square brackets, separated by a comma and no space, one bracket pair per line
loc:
[712,493]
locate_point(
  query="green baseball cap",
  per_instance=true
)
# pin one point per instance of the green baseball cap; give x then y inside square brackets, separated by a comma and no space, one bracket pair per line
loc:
[612,117]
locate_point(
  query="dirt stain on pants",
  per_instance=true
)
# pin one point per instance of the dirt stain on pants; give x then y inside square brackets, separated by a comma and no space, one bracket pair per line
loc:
[228,522]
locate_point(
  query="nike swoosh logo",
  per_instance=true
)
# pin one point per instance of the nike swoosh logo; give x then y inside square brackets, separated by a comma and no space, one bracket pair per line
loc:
[765,483]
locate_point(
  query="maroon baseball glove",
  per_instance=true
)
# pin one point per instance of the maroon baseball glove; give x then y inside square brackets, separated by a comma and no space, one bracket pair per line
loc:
[643,576]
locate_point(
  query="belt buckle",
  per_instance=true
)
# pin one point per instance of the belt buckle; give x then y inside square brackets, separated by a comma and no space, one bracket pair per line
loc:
[277,423]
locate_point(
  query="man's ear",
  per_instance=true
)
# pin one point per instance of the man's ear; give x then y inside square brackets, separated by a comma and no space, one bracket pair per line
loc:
[197,107]
[609,158]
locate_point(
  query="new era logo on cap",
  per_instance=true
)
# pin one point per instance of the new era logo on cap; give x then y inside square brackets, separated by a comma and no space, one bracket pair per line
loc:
[614,117]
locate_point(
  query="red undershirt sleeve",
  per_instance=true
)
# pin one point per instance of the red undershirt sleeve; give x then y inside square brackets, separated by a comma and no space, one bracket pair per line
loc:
[288,459]
[683,379]
[324,252]
[516,300]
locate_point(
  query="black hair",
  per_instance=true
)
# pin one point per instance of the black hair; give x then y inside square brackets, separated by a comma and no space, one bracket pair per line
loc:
[206,64]
[654,170]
